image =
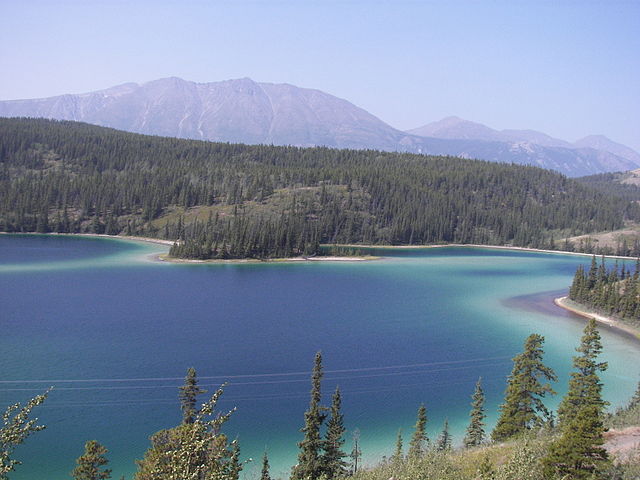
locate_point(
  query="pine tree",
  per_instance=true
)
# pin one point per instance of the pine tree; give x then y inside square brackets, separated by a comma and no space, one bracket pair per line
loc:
[584,387]
[235,467]
[334,465]
[356,452]
[578,452]
[523,408]
[90,462]
[310,463]
[475,430]
[398,455]
[188,396]
[419,438]
[264,474]
[444,440]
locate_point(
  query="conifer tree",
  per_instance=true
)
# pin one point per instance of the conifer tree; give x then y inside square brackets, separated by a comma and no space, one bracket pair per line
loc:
[523,408]
[188,396]
[310,463]
[334,465]
[356,452]
[235,467]
[475,430]
[264,474]
[444,440]
[398,455]
[419,438]
[90,463]
[578,452]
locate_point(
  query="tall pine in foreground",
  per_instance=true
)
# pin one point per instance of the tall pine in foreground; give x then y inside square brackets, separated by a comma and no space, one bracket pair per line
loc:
[475,430]
[310,464]
[527,385]
[333,458]
[188,396]
[578,453]
[264,474]
[91,462]
[419,438]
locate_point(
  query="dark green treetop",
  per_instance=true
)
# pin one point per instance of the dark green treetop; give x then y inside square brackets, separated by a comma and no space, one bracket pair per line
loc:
[475,430]
[523,408]
[91,462]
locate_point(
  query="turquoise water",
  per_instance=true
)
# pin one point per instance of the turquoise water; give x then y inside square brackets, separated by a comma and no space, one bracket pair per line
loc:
[115,333]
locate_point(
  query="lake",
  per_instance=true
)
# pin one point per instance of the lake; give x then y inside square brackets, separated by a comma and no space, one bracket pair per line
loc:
[114,333]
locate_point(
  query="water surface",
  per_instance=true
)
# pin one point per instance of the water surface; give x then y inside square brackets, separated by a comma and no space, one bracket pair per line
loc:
[115,333]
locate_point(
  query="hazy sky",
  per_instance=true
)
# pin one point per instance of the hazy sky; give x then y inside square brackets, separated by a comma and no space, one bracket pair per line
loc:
[567,68]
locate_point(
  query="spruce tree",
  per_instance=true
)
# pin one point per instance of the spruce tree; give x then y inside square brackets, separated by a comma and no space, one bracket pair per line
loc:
[188,396]
[310,463]
[584,387]
[334,465]
[419,438]
[523,408]
[90,463]
[398,455]
[264,474]
[475,430]
[578,452]
[235,467]
[444,440]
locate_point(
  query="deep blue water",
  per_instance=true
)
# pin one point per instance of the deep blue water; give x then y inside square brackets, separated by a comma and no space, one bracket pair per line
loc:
[114,334]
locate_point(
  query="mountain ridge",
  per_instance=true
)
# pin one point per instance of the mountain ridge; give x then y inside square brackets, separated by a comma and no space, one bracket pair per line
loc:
[245,111]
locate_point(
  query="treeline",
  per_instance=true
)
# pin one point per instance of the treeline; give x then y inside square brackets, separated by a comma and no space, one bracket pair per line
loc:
[613,291]
[221,200]
[539,445]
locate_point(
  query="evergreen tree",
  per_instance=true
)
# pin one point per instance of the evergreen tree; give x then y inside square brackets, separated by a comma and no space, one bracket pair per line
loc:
[578,452]
[444,440]
[419,438]
[310,465]
[334,465]
[523,408]
[356,452]
[235,467]
[264,474]
[90,463]
[188,396]
[398,455]
[475,430]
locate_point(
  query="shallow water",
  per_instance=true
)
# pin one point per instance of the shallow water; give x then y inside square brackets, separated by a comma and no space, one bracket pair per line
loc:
[115,333]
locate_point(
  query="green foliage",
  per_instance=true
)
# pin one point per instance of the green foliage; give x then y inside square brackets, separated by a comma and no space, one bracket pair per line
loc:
[236,201]
[398,454]
[444,440]
[310,463]
[190,451]
[235,467]
[16,427]
[475,430]
[419,438]
[90,463]
[188,396]
[578,452]
[333,458]
[614,292]
[523,408]
[264,474]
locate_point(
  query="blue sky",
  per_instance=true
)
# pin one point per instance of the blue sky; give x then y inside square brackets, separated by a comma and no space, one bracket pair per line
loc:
[568,68]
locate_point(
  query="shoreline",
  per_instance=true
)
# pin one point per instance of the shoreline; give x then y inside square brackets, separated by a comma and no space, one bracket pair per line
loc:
[332,258]
[614,324]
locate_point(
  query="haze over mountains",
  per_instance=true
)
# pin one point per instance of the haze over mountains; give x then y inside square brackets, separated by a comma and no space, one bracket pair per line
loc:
[249,112]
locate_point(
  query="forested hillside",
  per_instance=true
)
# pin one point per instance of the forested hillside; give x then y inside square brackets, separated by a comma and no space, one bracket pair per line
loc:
[232,201]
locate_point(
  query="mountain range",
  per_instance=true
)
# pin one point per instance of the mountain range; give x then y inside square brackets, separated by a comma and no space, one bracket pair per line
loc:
[244,111]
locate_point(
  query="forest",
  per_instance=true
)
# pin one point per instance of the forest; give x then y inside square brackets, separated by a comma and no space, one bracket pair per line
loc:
[527,442]
[220,200]
[612,291]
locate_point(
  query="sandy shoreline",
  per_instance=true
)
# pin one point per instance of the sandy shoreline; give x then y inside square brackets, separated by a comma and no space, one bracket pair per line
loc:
[612,323]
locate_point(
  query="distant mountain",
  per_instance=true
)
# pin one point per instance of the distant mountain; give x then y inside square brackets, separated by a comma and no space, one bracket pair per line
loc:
[600,142]
[245,111]
[606,151]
